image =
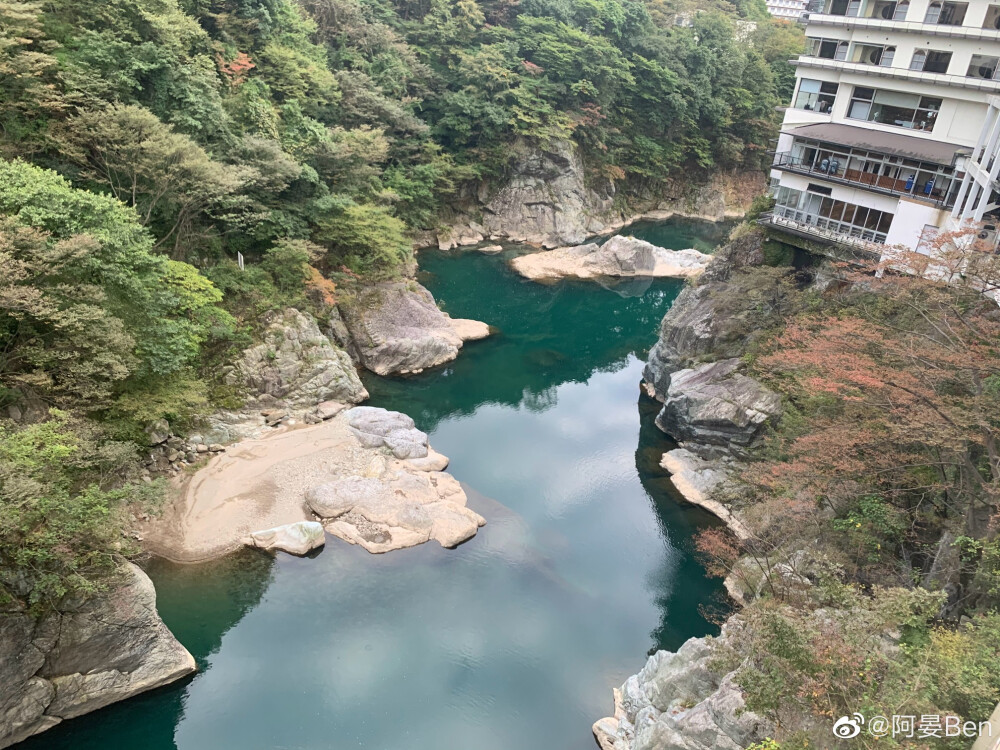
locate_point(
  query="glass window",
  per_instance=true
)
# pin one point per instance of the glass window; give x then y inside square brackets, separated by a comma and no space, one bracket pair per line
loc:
[894,108]
[937,62]
[930,61]
[992,20]
[946,14]
[815,95]
[983,66]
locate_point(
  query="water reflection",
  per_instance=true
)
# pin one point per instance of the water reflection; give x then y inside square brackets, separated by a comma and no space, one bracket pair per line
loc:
[200,604]
[512,640]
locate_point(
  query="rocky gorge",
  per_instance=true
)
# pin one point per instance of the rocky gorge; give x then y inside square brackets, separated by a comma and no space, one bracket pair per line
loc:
[716,412]
[298,384]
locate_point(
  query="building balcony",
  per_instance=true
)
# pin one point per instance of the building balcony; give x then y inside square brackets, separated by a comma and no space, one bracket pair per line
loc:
[902,74]
[845,173]
[796,221]
[912,27]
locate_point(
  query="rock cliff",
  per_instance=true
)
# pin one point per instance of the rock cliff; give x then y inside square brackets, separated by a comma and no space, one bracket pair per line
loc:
[679,701]
[710,405]
[545,199]
[109,648]
[297,365]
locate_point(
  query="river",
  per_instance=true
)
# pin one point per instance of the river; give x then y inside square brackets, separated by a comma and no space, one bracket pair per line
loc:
[515,639]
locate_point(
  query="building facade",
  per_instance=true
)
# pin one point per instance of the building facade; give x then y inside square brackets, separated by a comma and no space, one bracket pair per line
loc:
[789,10]
[893,132]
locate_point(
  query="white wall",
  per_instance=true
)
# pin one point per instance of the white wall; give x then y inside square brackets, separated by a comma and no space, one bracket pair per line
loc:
[910,220]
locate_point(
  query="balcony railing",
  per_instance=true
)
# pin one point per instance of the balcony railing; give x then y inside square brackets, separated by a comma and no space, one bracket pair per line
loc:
[914,27]
[876,183]
[905,74]
[826,229]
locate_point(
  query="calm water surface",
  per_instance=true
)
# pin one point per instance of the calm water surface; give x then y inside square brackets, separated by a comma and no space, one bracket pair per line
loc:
[515,639]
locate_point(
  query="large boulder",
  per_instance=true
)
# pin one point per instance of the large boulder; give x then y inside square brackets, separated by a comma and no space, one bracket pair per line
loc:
[619,257]
[714,408]
[108,649]
[378,428]
[297,365]
[395,508]
[397,328]
[679,702]
[295,538]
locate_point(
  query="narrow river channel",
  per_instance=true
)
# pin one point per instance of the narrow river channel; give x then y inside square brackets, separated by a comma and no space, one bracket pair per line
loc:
[514,640]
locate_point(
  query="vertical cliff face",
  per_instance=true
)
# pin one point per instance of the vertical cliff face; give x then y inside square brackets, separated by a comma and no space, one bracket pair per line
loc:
[547,199]
[75,661]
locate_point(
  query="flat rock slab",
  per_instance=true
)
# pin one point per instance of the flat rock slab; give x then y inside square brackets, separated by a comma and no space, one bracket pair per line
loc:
[619,257]
[262,483]
[697,478]
[392,508]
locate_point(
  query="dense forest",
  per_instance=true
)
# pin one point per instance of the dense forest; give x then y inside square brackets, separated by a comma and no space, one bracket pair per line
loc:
[146,143]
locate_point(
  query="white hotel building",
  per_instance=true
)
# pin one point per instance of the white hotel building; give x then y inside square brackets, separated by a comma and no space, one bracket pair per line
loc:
[788,10]
[894,127]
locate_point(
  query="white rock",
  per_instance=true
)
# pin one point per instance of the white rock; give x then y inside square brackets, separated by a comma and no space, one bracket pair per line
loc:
[294,538]
[696,478]
[619,257]
[470,330]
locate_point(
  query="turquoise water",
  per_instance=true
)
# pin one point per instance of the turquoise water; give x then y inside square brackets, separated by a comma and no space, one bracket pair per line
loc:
[513,640]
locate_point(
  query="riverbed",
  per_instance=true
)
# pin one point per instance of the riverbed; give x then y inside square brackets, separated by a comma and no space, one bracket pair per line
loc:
[512,640]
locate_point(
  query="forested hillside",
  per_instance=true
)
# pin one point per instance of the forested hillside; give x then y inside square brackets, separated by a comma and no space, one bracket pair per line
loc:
[147,142]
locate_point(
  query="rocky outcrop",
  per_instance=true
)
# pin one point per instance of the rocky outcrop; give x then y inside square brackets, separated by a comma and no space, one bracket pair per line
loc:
[716,409]
[397,508]
[296,365]
[619,257]
[698,480]
[397,328]
[367,474]
[709,320]
[295,538]
[401,504]
[379,428]
[69,663]
[679,702]
[545,199]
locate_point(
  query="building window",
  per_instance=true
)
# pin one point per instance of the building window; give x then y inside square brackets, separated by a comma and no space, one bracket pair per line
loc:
[887,11]
[983,66]
[894,108]
[828,214]
[815,95]
[992,20]
[828,49]
[869,54]
[930,61]
[946,14]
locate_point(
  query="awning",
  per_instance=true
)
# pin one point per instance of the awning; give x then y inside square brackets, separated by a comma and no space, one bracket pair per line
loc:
[893,144]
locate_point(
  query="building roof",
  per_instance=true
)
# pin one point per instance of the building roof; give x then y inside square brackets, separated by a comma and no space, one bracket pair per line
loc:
[906,146]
